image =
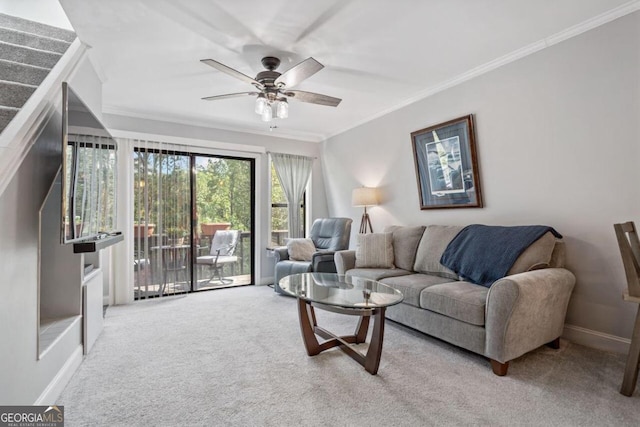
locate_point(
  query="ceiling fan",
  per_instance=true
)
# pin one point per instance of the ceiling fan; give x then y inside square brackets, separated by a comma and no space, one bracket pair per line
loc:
[274,87]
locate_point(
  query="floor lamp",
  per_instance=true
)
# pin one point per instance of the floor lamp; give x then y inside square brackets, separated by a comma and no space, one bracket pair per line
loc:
[365,196]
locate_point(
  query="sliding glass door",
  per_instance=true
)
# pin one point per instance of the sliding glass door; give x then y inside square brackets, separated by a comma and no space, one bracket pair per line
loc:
[193,222]
[224,221]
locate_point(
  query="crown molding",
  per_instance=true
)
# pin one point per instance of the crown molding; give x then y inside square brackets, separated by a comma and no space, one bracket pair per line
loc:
[534,47]
[285,134]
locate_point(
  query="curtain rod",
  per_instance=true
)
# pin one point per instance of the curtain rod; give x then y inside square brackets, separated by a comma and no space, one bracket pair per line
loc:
[289,154]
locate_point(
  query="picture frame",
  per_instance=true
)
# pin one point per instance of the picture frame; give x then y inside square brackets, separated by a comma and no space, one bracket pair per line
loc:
[446,164]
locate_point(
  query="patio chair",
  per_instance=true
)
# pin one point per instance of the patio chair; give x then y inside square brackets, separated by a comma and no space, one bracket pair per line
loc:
[222,247]
[175,260]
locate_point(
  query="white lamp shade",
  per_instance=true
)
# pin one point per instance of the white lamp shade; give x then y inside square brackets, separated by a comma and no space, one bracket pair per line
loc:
[267,114]
[364,196]
[282,111]
[261,104]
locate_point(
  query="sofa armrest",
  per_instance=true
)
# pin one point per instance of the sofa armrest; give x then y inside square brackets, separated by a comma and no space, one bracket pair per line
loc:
[323,262]
[525,311]
[345,261]
[281,253]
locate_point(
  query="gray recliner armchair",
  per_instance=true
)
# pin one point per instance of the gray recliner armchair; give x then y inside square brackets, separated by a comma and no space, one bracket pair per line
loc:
[328,235]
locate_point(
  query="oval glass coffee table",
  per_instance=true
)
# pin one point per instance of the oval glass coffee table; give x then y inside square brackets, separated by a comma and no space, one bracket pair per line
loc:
[349,295]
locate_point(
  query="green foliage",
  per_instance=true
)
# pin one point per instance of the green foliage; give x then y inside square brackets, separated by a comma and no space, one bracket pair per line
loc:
[223,192]
[279,219]
[162,194]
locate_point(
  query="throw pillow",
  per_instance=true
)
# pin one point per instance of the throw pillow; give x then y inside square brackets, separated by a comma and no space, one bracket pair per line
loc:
[405,244]
[374,250]
[300,249]
[536,256]
[435,240]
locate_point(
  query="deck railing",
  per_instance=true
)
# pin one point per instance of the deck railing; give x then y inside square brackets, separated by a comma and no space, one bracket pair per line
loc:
[148,268]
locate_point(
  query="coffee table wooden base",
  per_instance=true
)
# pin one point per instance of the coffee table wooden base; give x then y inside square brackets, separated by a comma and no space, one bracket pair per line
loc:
[309,328]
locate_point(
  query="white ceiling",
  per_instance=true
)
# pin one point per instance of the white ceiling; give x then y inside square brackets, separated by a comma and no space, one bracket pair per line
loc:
[378,54]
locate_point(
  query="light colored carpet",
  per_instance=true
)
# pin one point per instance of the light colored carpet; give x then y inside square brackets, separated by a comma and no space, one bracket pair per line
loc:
[235,357]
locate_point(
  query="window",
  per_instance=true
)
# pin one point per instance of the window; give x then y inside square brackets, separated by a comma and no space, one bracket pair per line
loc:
[279,206]
[91,182]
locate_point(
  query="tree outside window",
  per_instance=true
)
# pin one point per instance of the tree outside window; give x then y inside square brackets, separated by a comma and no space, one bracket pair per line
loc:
[279,206]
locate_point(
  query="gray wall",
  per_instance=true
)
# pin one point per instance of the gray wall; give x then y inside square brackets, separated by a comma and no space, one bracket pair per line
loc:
[22,377]
[558,140]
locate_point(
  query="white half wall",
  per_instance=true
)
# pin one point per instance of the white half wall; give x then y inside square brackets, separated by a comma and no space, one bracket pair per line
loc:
[23,378]
[558,138]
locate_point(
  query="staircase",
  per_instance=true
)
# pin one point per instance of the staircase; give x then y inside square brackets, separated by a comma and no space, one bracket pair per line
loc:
[28,51]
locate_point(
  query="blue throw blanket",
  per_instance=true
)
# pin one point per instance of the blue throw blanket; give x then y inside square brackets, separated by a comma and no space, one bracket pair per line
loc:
[483,254]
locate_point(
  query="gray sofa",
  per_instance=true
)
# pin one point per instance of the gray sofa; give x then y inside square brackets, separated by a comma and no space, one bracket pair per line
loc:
[516,314]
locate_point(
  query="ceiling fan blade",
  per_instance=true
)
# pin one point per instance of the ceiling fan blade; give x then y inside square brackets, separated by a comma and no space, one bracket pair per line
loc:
[229,95]
[313,98]
[298,73]
[230,71]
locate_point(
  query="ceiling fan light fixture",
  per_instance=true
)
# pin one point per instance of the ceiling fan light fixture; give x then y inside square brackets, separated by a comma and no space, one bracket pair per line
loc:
[273,87]
[267,114]
[282,110]
[261,104]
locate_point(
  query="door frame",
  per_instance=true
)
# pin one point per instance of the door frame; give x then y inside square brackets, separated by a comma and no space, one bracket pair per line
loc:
[252,220]
[124,253]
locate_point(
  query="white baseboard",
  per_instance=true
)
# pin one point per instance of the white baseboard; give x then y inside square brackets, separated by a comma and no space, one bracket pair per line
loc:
[265,281]
[595,339]
[59,382]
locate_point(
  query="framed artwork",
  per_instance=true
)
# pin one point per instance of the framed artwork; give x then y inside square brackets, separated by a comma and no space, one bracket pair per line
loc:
[447,165]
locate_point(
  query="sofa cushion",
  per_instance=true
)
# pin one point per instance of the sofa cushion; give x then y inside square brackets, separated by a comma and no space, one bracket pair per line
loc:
[405,244]
[300,249]
[558,255]
[537,255]
[433,243]
[411,285]
[377,273]
[374,250]
[464,301]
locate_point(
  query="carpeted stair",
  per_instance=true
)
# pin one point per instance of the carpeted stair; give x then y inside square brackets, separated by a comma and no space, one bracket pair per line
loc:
[28,51]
